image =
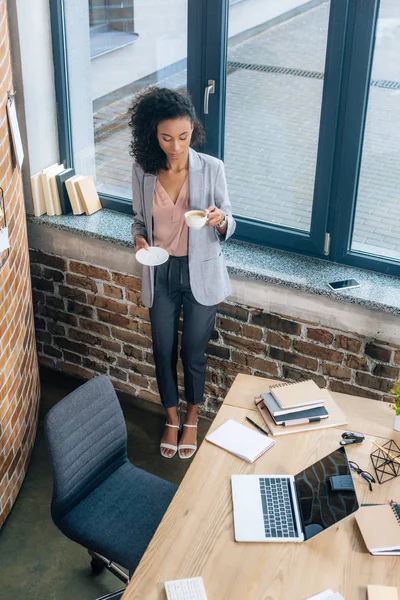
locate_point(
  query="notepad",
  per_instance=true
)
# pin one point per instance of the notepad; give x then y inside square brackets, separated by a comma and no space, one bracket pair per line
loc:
[382,592]
[296,395]
[380,527]
[240,440]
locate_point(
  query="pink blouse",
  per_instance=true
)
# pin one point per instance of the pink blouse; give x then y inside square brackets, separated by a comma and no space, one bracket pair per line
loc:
[170,230]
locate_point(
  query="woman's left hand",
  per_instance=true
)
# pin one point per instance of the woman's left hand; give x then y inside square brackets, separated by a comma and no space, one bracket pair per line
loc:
[215,216]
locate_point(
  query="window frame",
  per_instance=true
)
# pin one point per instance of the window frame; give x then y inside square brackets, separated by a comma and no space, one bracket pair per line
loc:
[344,104]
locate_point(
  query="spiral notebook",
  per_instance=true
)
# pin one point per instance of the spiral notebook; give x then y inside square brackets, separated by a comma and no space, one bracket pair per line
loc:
[240,440]
[380,527]
[297,396]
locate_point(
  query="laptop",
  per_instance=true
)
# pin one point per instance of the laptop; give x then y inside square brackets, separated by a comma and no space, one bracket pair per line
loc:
[293,508]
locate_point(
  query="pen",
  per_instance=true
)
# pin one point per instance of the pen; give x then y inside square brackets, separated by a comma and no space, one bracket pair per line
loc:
[257,426]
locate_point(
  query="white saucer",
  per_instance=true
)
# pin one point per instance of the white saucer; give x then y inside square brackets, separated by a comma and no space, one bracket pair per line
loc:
[152,257]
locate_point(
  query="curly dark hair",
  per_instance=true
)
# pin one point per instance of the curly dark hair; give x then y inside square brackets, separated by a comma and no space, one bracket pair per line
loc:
[151,106]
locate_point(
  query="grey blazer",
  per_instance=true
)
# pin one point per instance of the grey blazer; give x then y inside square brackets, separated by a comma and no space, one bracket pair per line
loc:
[209,278]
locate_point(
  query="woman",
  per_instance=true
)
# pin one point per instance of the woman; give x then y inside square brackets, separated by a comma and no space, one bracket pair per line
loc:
[170,178]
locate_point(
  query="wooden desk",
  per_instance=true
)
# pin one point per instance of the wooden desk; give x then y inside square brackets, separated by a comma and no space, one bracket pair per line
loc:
[196,534]
[365,416]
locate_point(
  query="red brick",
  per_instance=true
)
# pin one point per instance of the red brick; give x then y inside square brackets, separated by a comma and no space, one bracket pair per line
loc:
[135,352]
[249,331]
[377,352]
[336,371]
[49,260]
[271,321]
[72,293]
[112,291]
[89,271]
[53,274]
[114,319]
[228,324]
[372,382]
[127,281]
[278,339]
[230,310]
[320,335]
[311,364]
[81,282]
[80,309]
[318,351]
[108,304]
[244,344]
[353,390]
[118,374]
[75,370]
[94,365]
[220,351]
[360,363]
[386,371]
[347,343]
[94,326]
[133,296]
[297,375]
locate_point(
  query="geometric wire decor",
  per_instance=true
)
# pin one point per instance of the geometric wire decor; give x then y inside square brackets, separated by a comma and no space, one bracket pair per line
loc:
[386,465]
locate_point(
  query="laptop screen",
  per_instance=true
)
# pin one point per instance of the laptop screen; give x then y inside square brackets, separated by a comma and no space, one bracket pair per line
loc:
[320,506]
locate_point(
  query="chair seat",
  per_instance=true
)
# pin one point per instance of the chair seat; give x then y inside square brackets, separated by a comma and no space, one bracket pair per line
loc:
[119,518]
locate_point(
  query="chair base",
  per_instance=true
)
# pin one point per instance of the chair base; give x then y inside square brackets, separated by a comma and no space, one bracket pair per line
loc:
[99,563]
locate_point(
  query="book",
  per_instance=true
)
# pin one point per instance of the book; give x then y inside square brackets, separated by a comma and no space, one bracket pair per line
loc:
[380,527]
[335,418]
[50,192]
[297,417]
[298,395]
[88,194]
[61,178]
[70,184]
[382,592]
[240,440]
[39,203]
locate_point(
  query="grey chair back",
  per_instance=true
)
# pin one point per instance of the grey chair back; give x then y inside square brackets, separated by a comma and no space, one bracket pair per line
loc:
[87,440]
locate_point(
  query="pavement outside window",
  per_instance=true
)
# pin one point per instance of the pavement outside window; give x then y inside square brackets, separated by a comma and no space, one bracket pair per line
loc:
[272,127]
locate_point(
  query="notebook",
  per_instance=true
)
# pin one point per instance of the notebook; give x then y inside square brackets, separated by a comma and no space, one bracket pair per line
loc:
[77,205]
[240,440]
[50,191]
[297,417]
[88,194]
[61,178]
[380,527]
[335,418]
[327,595]
[39,203]
[290,396]
[382,592]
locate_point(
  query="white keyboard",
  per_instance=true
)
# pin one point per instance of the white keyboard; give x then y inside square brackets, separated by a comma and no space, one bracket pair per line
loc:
[186,589]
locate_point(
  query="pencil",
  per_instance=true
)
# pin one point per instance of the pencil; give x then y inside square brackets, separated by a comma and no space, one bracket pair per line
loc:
[393,458]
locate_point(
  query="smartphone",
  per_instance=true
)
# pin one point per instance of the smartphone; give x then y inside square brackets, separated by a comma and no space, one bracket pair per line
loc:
[345,284]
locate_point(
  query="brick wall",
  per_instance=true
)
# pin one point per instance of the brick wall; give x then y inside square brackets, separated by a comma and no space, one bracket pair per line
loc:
[19,379]
[90,320]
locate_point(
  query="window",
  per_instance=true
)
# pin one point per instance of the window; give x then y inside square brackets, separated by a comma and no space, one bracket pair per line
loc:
[305,111]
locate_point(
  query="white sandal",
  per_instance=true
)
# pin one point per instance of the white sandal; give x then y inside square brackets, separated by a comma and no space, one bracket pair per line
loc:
[187,446]
[165,446]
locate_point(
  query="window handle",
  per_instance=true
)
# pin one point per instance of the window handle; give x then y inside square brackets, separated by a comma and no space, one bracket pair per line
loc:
[210,89]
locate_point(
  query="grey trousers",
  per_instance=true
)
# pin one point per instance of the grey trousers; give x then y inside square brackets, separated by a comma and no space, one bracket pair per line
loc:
[171,292]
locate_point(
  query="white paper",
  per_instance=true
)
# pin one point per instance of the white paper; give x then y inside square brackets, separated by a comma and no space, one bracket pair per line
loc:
[327,595]
[4,241]
[240,440]
[15,133]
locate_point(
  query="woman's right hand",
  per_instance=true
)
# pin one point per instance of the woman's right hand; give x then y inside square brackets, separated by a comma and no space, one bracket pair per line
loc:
[140,242]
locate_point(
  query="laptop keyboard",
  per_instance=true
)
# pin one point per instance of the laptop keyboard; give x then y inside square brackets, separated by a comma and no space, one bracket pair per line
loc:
[277,508]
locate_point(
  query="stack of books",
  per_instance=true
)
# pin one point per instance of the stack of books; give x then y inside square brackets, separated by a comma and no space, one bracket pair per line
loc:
[298,407]
[57,191]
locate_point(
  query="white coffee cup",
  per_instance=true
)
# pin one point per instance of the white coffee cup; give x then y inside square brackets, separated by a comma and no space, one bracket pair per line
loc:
[196,218]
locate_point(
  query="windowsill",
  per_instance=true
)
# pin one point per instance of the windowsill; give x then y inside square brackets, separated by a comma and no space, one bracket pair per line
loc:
[108,41]
[289,270]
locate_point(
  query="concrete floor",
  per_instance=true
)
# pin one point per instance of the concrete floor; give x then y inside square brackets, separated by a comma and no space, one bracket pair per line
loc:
[36,560]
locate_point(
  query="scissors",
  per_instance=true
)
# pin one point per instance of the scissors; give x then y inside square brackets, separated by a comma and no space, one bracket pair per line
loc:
[351,438]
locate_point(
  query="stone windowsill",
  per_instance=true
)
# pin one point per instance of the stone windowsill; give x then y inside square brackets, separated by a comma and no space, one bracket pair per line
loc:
[289,270]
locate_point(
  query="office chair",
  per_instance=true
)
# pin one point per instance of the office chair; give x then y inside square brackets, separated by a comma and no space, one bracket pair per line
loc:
[100,500]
